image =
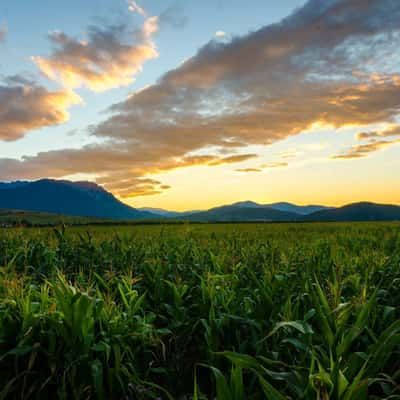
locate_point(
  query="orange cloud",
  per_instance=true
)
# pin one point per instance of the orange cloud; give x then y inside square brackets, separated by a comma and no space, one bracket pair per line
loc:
[132,184]
[128,185]
[264,166]
[288,154]
[232,159]
[393,130]
[111,57]
[363,150]
[275,165]
[220,34]
[248,170]
[25,106]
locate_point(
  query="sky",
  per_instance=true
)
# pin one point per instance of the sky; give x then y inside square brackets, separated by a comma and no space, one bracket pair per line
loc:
[182,104]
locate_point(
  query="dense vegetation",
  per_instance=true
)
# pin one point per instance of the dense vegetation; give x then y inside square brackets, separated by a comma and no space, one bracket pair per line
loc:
[201,312]
[19,218]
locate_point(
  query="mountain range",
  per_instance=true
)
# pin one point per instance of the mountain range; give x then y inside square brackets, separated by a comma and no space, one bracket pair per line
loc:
[283,206]
[87,199]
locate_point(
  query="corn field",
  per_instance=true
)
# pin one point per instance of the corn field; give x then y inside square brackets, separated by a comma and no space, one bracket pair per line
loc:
[230,312]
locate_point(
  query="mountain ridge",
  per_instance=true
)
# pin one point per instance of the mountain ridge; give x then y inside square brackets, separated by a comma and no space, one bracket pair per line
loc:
[87,199]
[232,213]
[359,211]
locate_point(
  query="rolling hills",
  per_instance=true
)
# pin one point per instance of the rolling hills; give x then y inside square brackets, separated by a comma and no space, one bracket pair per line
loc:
[234,213]
[363,211]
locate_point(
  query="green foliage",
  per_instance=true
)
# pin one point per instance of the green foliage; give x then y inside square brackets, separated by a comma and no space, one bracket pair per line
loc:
[251,311]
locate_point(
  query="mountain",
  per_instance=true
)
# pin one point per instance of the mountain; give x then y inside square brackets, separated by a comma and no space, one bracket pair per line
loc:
[252,212]
[85,199]
[363,211]
[247,204]
[283,206]
[10,185]
[234,212]
[301,210]
[167,214]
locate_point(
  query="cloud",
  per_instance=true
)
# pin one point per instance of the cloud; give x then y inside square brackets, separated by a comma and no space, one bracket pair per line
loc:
[110,57]
[374,144]
[317,67]
[232,159]
[135,7]
[363,150]
[393,130]
[25,105]
[264,166]
[127,185]
[248,170]
[220,34]
[134,187]
[274,165]
[285,155]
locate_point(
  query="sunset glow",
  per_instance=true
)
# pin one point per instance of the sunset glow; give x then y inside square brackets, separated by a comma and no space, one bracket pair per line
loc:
[183,105]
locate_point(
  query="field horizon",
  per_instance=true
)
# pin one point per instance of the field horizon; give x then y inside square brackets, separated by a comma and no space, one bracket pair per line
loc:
[58,200]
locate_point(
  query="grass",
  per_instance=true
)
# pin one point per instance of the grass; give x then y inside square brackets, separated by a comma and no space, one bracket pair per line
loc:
[246,311]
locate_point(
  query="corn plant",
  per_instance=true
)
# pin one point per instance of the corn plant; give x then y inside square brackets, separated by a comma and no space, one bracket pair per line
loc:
[239,311]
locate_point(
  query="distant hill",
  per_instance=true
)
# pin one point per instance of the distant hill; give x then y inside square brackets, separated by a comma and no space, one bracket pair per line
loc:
[85,199]
[246,204]
[301,210]
[165,213]
[252,212]
[363,211]
[241,213]
[283,206]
